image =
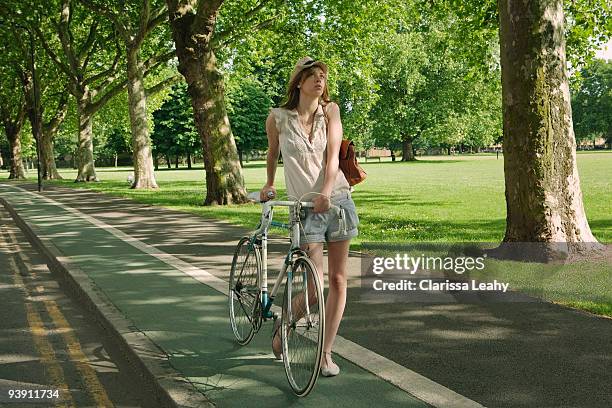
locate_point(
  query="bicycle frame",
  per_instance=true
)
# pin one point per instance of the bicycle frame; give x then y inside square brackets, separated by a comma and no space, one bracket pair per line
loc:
[267,299]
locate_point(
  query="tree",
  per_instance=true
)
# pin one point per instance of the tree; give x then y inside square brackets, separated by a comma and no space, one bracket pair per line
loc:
[47,104]
[92,70]
[118,142]
[248,108]
[135,23]
[174,132]
[50,129]
[193,29]
[13,113]
[543,195]
[13,107]
[592,103]
[429,92]
[401,60]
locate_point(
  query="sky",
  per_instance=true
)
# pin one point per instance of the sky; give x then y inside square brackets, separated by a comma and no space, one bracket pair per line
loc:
[605,52]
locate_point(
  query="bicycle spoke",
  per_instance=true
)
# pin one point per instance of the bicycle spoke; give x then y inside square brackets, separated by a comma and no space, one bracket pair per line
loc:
[303,317]
[244,290]
[246,312]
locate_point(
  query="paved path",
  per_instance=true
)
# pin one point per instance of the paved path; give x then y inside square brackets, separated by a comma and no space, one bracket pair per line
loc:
[499,355]
[50,352]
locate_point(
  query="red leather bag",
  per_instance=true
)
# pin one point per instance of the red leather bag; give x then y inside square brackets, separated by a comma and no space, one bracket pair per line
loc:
[348,163]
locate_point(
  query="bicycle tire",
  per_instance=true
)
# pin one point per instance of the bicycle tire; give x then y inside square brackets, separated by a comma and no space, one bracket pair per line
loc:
[244,290]
[302,339]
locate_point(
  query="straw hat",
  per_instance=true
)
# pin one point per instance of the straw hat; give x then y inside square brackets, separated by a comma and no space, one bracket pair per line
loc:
[305,63]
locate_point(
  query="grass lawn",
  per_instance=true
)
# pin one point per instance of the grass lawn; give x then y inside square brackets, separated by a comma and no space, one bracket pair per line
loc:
[437,198]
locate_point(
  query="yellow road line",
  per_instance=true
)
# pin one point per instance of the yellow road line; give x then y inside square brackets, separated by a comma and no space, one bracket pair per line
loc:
[90,377]
[54,369]
[92,382]
[42,343]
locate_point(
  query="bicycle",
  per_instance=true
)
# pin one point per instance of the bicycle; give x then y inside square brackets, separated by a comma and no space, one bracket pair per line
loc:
[302,325]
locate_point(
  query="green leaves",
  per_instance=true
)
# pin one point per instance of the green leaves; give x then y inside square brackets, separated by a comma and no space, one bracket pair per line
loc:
[248,108]
[174,132]
[431,90]
[588,26]
[592,103]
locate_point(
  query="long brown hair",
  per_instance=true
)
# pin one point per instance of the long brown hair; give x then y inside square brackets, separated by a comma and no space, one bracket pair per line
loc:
[292,96]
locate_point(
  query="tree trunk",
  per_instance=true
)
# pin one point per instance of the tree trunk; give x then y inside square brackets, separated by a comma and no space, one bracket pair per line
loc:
[240,158]
[543,195]
[49,130]
[407,151]
[12,128]
[47,157]
[197,63]
[168,162]
[144,176]
[16,170]
[176,161]
[84,155]
[224,181]
[189,160]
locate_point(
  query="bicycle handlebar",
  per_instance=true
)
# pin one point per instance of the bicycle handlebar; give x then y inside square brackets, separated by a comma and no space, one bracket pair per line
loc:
[267,206]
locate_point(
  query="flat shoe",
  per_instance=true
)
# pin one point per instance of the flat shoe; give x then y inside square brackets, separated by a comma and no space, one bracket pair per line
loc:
[332,371]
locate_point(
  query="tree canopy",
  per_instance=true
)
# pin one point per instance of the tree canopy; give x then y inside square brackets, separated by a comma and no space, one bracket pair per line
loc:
[592,103]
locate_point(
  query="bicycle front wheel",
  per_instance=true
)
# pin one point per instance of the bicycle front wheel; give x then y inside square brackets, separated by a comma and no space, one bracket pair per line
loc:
[244,290]
[303,326]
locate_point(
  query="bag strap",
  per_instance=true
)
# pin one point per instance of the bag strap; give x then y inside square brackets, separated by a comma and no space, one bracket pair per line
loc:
[324,113]
[326,122]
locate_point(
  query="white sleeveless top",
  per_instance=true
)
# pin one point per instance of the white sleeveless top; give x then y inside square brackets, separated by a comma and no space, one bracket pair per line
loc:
[305,160]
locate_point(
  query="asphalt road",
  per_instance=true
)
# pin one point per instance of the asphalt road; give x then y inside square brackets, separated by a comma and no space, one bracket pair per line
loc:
[51,353]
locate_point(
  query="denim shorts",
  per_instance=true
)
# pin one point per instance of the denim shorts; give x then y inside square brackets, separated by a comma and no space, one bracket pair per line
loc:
[324,227]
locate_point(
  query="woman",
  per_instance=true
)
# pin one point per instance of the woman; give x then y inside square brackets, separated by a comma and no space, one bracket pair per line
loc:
[308,132]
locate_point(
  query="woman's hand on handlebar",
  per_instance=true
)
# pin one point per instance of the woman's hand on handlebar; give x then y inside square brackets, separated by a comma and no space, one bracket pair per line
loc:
[267,192]
[321,203]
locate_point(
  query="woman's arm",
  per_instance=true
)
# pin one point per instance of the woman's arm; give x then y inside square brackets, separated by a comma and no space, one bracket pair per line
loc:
[272,156]
[334,139]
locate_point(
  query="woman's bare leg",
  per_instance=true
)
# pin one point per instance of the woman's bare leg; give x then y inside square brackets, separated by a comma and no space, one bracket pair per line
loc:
[337,255]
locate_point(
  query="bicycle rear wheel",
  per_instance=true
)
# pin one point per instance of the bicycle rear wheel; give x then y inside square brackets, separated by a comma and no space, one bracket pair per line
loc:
[244,290]
[303,326]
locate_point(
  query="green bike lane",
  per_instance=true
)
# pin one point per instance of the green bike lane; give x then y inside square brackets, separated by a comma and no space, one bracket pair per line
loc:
[188,320]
